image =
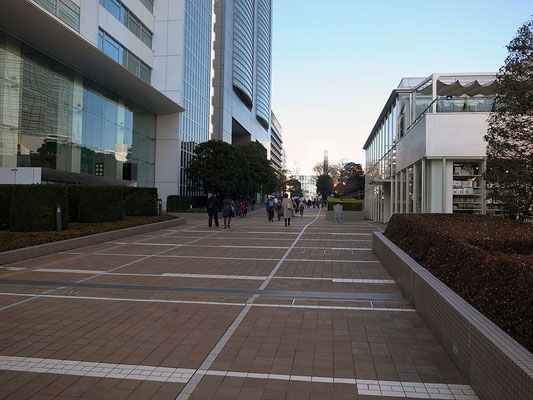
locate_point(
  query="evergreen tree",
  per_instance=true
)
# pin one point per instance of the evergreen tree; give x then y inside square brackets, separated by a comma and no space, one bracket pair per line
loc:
[324,185]
[509,174]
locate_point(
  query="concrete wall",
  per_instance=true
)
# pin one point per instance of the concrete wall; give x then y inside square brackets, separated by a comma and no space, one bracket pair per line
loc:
[496,366]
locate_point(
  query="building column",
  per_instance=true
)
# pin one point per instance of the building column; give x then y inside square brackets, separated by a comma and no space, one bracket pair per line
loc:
[167,156]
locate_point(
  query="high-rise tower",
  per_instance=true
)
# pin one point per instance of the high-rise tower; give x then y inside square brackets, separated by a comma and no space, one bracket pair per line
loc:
[242,54]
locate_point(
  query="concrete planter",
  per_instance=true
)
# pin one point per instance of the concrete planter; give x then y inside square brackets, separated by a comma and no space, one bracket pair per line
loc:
[348,215]
[25,253]
[496,366]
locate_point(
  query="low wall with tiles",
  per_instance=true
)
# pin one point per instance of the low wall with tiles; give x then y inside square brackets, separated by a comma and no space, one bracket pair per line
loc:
[496,366]
[25,253]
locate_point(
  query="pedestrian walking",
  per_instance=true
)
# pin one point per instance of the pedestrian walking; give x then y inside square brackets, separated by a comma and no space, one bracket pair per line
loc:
[270,209]
[213,206]
[279,210]
[228,208]
[242,210]
[302,206]
[287,206]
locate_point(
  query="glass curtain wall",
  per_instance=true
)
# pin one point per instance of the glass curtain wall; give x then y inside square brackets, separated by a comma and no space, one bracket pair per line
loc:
[51,117]
[196,85]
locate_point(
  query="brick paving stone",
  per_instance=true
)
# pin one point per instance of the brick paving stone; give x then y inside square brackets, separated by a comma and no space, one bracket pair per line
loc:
[275,352]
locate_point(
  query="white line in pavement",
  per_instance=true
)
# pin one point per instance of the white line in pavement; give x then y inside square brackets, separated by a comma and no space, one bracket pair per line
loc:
[236,247]
[184,375]
[228,258]
[351,234]
[104,370]
[198,245]
[212,303]
[207,276]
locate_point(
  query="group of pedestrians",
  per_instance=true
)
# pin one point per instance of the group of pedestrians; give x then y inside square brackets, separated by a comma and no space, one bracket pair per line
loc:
[285,208]
[282,207]
[228,207]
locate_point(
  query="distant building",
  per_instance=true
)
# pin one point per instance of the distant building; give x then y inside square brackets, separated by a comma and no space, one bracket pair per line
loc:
[277,153]
[426,152]
[242,53]
[308,185]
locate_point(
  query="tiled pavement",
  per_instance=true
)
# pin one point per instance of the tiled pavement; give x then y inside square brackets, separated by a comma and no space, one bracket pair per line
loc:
[258,311]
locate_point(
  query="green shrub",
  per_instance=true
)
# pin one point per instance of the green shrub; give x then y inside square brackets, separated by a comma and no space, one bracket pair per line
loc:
[199,201]
[178,203]
[100,203]
[347,204]
[74,202]
[6,192]
[33,207]
[140,201]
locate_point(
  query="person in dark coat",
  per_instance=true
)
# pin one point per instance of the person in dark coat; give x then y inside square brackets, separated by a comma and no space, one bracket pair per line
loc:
[228,207]
[213,206]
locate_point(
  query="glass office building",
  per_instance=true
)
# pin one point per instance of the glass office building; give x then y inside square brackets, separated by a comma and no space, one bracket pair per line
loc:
[53,117]
[195,83]
[426,152]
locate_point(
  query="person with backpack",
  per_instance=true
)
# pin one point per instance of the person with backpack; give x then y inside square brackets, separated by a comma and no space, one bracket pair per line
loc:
[270,209]
[302,206]
[228,210]
[213,206]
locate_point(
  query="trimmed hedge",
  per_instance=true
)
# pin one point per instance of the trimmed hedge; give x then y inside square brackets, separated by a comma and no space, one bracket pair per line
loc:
[178,203]
[347,204]
[6,193]
[100,203]
[74,202]
[33,207]
[140,201]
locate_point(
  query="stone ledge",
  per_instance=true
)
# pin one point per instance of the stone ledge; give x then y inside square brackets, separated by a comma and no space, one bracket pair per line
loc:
[496,366]
[45,249]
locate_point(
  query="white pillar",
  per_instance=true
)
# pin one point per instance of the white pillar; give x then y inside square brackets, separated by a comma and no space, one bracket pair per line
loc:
[167,156]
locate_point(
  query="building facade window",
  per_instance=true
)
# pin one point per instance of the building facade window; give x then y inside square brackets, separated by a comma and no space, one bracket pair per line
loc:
[149,4]
[54,118]
[124,15]
[123,56]
[66,10]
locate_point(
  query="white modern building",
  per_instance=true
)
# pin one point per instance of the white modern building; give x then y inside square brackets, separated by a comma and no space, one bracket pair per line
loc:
[242,65]
[114,90]
[426,152]
[308,185]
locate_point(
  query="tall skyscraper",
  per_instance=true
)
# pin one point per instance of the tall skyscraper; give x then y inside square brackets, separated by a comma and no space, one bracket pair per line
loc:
[242,58]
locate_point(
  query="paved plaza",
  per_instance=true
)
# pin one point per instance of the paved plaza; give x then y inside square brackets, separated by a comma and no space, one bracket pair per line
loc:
[258,311]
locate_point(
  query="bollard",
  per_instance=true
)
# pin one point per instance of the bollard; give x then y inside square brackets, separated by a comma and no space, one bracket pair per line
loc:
[59,226]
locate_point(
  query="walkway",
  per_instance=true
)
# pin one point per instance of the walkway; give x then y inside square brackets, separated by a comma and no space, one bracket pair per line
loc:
[258,311]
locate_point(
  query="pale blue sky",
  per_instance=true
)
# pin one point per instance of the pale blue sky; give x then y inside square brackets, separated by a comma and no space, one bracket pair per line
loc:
[335,62]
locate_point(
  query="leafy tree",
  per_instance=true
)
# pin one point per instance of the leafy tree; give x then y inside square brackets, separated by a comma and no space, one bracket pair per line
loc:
[324,185]
[256,156]
[509,137]
[294,186]
[218,168]
[333,169]
[351,179]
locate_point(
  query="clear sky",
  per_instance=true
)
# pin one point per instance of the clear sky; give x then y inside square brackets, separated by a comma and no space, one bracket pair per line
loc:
[335,62]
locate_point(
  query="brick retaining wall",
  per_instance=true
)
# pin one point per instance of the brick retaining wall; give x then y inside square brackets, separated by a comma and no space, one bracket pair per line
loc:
[496,366]
[25,253]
